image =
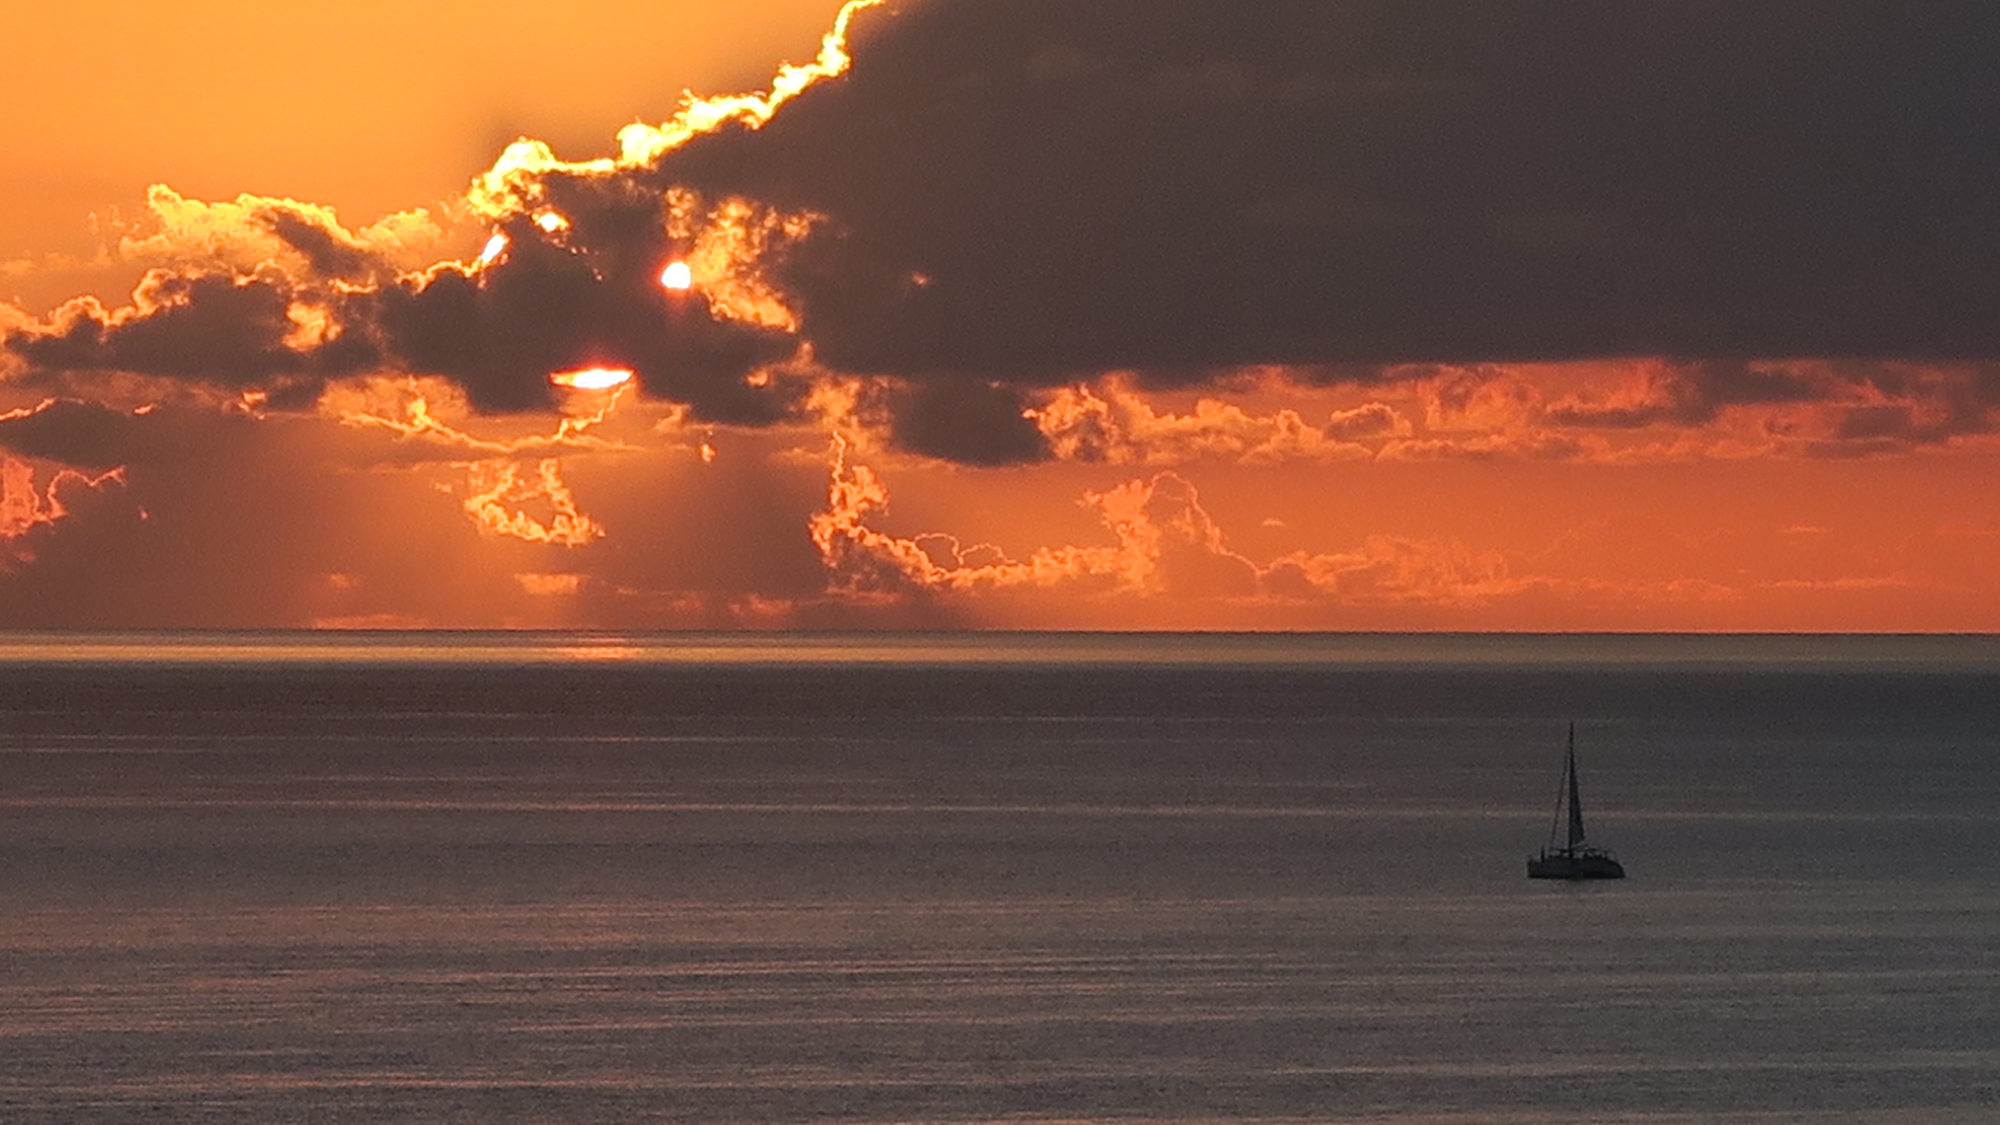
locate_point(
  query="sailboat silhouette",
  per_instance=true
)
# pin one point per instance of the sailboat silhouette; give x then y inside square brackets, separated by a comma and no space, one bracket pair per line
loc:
[1574,859]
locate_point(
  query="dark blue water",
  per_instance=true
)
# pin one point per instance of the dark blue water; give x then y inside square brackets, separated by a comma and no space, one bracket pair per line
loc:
[560,879]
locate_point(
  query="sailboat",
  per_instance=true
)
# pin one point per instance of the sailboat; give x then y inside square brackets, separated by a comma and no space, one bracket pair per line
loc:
[1574,859]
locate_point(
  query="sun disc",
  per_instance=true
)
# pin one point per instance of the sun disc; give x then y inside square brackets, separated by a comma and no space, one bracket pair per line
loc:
[592,378]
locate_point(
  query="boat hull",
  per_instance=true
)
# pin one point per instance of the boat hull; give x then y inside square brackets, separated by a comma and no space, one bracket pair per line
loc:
[1575,859]
[1574,865]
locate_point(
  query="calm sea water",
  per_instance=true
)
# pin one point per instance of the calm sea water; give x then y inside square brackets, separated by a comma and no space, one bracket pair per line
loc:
[592,879]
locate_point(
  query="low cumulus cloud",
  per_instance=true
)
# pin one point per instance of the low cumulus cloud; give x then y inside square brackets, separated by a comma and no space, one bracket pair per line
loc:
[1817,407]
[1164,544]
[1165,548]
[1114,424]
[29,507]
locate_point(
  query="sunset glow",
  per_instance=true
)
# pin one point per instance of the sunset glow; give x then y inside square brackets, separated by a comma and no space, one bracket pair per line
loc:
[1477,340]
[1045,561]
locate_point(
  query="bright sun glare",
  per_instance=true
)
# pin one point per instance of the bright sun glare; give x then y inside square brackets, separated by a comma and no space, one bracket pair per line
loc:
[592,378]
[677,276]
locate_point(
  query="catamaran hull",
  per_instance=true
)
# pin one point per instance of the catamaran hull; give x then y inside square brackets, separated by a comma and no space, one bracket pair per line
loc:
[1574,867]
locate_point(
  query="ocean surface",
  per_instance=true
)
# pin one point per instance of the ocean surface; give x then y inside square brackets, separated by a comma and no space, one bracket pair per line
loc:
[553,878]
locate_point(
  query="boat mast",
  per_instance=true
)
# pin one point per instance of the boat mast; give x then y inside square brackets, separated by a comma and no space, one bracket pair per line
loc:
[1562,794]
[1575,805]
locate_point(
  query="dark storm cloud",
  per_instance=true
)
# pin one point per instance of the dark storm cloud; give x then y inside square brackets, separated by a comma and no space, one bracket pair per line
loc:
[966,420]
[92,436]
[1035,189]
[73,433]
[320,244]
[1691,394]
[589,298]
[500,329]
[1874,406]
[1919,407]
[216,328]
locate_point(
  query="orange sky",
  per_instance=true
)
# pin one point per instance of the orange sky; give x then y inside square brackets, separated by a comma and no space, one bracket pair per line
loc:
[368,106]
[1629,492]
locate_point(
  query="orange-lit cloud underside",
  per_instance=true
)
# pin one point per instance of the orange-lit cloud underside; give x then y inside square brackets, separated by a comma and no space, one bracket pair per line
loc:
[1200,515]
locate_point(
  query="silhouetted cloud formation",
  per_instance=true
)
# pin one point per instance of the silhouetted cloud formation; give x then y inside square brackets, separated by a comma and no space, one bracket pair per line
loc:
[1001,199]
[88,435]
[1035,189]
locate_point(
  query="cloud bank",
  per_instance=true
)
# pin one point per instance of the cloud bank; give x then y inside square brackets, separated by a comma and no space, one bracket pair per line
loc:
[1106,235]
[998,200]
